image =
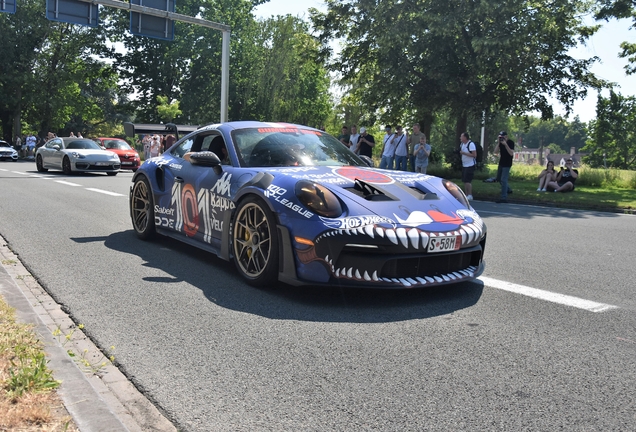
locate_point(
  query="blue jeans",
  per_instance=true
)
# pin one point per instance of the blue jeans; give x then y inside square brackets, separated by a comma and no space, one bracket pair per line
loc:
[400,163]
[386,162]
[505,173]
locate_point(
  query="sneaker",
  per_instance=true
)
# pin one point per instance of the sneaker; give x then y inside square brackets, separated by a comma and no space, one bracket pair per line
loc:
[540,190]
[543,190]
[469,197]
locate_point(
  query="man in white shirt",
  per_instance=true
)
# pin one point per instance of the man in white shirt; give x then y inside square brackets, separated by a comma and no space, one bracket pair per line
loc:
[354,137]
[468,152]
[401,149]
[388,149]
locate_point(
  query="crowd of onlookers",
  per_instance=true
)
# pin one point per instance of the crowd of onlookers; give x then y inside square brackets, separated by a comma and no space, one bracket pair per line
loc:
[399,149]
[27,144]
[154,145]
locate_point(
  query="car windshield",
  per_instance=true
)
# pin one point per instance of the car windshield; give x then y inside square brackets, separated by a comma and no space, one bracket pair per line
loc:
[291,146]
[4,144]
[83,144]
[116,144]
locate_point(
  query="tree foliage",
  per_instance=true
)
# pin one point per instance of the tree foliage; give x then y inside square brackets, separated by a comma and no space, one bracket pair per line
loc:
[420,56]
[52,78]
[621,9]
[612,140]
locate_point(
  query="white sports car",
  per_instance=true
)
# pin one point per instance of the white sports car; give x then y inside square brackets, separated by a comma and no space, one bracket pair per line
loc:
[76,155]
[8,152]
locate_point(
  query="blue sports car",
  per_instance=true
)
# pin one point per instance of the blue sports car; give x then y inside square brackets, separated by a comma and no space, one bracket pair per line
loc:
[290,203]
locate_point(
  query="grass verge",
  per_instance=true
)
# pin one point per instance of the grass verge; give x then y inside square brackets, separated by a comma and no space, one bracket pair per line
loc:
[600,190]
[28,401]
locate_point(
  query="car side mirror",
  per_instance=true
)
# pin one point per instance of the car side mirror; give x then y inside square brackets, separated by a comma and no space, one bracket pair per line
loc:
[207,158]
[56,147]
[367,160]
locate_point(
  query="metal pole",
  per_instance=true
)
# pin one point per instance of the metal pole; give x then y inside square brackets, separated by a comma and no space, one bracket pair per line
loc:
[225,75]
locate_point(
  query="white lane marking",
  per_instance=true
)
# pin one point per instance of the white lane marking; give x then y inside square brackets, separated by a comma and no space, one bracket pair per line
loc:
[548,296]
[105,192]
[20,172]
[66,183]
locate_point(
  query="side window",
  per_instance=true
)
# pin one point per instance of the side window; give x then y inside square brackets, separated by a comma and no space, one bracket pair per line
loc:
[216,144]
[183,148]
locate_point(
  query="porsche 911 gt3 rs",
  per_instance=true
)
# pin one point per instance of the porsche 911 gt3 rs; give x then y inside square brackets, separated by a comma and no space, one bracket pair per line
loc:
[290,203]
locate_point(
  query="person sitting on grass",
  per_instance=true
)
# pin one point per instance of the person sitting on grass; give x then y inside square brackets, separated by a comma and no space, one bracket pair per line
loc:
[565,178]
[546,176]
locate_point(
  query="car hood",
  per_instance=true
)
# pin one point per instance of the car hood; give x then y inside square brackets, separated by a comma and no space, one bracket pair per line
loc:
[392,198]
[101,154]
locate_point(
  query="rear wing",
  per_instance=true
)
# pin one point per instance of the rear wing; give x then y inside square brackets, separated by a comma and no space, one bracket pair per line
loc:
[134,129]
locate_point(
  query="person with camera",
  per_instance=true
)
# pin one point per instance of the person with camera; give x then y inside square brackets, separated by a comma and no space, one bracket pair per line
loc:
[565,178]
[468,152]
[505,149]
[366,143]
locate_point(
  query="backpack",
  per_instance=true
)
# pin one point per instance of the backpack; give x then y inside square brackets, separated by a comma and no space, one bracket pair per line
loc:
[480,156]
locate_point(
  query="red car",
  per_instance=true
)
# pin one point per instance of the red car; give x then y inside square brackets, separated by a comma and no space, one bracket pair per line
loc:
[127,155]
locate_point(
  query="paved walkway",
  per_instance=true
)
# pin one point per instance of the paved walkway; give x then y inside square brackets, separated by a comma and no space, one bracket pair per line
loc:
[105,401]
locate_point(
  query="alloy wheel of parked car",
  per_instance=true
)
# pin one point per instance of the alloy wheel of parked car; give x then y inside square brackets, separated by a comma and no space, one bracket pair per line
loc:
[142,209]
[255,242]
[39,165]
[66,166]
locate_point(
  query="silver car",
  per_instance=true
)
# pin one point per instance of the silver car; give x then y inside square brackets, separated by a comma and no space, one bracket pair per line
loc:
[7,152]
[72,155]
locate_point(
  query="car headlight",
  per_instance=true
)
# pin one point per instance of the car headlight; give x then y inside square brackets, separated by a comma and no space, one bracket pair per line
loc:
[318,199]
[456,192]
[77,155]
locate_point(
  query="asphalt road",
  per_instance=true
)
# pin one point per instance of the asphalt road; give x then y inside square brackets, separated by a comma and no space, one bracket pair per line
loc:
[516,352]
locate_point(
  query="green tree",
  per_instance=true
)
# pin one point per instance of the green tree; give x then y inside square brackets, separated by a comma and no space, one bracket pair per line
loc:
[421,56]
[167,111]
[621,9]
[612,140]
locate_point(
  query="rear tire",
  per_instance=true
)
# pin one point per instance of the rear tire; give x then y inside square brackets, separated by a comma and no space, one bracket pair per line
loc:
[66,166]
[142,210]
[39,165]
[255,242]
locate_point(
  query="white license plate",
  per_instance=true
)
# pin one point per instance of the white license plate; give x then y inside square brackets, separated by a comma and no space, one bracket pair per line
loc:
[126,163]
[444,244]
[102,163]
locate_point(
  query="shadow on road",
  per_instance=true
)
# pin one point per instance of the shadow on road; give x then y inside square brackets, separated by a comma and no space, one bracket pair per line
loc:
[222,285]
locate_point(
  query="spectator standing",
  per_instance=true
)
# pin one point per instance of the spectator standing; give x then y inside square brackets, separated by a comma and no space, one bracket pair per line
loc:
[354,137]
[565,178]
[79,135]
[344,136]
[414,139]
[17,143]
[468,152]
[30,142]
[388,149]
[422,151]
[170,139]
[506,149]
[401,149]
[146,141]
[366,143]
[155,146]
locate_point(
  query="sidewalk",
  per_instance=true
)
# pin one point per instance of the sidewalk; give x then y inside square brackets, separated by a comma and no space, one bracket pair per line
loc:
[108,402]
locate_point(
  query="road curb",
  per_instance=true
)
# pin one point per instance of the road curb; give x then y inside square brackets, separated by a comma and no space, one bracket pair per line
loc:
[104,402]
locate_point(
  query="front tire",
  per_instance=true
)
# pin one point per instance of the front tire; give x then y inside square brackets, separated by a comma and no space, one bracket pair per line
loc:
[66,166]
[39,165]
[142,209]
[255,242]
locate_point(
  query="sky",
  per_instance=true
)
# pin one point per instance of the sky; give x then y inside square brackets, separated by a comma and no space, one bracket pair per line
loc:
[605,44]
